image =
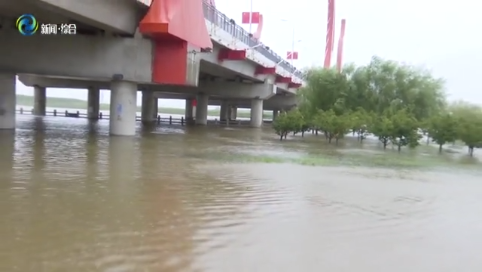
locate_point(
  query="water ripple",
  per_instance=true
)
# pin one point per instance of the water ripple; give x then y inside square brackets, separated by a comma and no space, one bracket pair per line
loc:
[74,199]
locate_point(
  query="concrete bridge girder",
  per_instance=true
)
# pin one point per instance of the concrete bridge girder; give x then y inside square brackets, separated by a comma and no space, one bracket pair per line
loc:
[97,58]
[216,91]
[122,17]
[210,64]
[274,103]
[214,88]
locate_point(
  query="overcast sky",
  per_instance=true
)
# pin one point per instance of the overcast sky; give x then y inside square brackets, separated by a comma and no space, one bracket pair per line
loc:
[444,36]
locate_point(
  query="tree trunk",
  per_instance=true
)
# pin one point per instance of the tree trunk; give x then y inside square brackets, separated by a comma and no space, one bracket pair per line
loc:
[471,151]
[303,133]
[399,148]
[439,148]
[428,139]
[281,137]
[384,144]
[336,141]
[329,139]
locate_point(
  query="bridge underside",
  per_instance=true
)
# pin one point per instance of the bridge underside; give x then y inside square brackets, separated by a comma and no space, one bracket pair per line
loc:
[216,90]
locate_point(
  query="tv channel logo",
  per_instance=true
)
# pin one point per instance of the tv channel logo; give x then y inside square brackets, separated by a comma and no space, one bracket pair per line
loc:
[26,24]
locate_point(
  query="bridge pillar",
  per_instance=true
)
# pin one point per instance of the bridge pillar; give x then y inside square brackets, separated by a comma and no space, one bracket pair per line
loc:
[233,113]
[256,113]
[93,103]
[189,113]
[148,107]
[202,109]
[155,111]
[224,111]
[123,108]
[7,101]
[39,100]
[275,114]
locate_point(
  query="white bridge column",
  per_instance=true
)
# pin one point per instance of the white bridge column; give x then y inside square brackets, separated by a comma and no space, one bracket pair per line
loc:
[256,113]
[123,108]
[233,113]
[148,105]
[202,109]
[189,112]
[7,101]
[224,111]
[155,111]
[93,103]
[39,100]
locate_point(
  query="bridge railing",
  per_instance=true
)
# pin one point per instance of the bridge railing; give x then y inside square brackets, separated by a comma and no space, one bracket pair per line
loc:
[229,25]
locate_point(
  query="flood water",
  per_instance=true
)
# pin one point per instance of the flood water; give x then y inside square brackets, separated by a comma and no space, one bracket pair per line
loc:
[74,199]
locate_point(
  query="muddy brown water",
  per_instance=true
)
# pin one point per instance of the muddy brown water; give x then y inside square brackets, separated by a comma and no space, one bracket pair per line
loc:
[74,199]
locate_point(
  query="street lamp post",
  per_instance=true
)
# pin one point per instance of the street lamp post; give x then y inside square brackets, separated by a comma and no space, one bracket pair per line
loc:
[250,16]
[291,55]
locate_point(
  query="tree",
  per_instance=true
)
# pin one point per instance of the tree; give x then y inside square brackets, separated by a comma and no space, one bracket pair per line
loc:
[442,129]
[404,129]
[385,98]
[281,125]
[323,89]
[335,126]
[360,119]
[382,127]
[469,129]
[409,87]
[286,122]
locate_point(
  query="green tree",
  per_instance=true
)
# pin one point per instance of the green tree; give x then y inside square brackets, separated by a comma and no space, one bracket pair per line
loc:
[368,98]
[404,129]
[442,129]
[334,126]
[286,122]
[360,119]
[469,129]
[324,88]
[406,87]
[382,127]
[281,125]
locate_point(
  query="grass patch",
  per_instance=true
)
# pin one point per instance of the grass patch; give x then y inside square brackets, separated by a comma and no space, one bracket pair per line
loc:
[71,103]
[387,159]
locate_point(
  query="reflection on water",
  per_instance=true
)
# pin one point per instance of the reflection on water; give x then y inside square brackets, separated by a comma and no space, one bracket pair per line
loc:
[74,199]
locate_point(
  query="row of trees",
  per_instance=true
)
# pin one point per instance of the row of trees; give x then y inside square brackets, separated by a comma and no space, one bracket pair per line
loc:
[395,102]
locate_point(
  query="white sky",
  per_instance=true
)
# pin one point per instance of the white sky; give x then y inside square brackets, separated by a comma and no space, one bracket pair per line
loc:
[442,35]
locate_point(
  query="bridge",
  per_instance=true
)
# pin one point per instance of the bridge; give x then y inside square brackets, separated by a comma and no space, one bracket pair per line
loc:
[127,45]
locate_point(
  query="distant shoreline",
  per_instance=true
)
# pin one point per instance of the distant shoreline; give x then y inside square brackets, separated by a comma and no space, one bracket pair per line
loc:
[72,103]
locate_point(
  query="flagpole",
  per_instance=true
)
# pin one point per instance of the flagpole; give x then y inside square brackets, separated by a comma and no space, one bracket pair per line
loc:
[293,46]
[250,16]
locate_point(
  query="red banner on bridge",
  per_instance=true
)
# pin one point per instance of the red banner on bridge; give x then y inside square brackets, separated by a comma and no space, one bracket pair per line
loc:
[292,55]
[255,18]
